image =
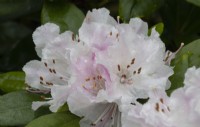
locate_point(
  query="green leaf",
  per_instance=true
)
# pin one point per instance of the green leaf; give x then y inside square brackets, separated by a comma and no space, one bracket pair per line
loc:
[137,8]
[181,21]
[189,56]
[159,28]
[63,108]
[14,8]
[64,14]
[195,2]
[12,81]
[56,120]
[15,108]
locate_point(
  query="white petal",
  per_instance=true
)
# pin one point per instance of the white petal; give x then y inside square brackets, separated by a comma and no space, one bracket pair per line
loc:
[44,35]
[57,49]
[139,26]
[59,96]
[100,16]
[80,105]
[40,75]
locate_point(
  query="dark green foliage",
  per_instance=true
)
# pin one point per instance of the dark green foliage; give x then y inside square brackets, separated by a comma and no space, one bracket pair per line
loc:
[189,56]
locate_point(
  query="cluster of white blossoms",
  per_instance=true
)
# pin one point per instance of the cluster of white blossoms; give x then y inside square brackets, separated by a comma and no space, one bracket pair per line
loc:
[102,72]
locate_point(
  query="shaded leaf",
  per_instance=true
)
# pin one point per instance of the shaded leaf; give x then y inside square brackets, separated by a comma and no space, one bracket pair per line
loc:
[10,35]
[62,13]
[12,81]
[181,21]
[195,2]
[14,8]
[56,120]
[137,8]
[189,56]
[15,108]
[21,53]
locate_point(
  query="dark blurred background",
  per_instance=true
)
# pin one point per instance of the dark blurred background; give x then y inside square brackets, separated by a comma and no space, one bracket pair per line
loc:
[19,18]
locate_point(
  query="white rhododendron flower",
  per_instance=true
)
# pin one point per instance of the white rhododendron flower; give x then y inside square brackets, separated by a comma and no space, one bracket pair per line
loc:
[181,109]
[106,66]
[54,67]
[127,64]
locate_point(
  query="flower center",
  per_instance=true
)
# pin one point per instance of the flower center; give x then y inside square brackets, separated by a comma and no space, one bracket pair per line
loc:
[94,84]
[126,72]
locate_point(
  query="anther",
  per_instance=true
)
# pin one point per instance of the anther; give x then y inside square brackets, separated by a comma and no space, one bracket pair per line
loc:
[161,100]
[117,35]
[133,61]
[41,78]
[54,71]
[110,33]
[118,66]
[54,61]
[50,70]
[88,79]
[139,70]
[133,103]
[45,64]
[128,66]
[157,107]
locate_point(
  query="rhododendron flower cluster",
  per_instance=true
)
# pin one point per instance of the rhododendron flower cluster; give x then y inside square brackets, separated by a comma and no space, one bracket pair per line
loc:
[102,72]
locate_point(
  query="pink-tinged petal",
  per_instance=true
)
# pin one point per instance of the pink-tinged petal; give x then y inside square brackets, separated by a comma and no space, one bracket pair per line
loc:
[98,29]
